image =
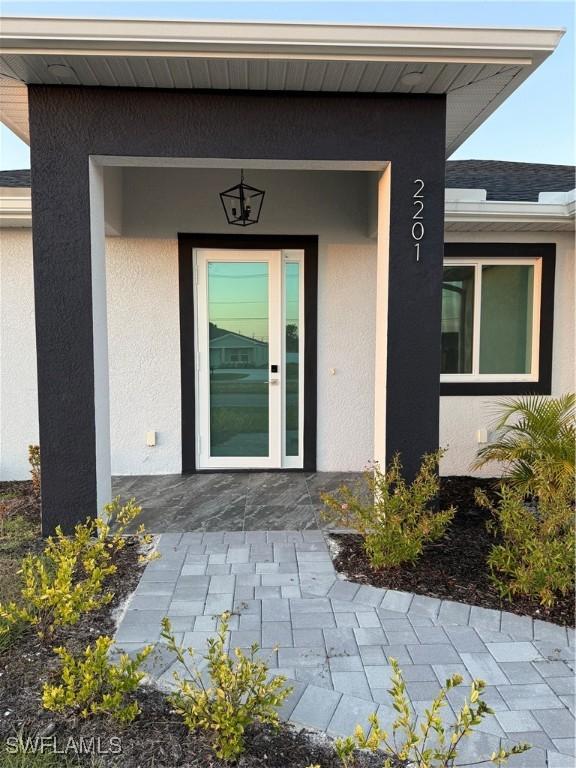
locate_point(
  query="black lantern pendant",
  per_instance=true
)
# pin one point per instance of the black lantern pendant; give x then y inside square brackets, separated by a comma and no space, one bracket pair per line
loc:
[242,203]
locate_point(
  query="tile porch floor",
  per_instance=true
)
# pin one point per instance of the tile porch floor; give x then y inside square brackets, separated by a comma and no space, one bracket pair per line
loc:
[230,501]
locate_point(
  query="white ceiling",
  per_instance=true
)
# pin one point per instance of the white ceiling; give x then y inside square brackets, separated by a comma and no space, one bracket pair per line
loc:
[476,68]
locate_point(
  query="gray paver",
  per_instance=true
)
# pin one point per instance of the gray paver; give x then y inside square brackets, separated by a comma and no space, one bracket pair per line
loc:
[521,672]
[340,642]
[369,636]
[567,745]
[379,677]
[433,654]
[422,605]
[394,600]
[308,638]
[514,651]
[519,627]
[368,595]
[485,618]
[316,707]
[335,634]
[367,619]
[345,663]
[343,590]
[276,633]
[535,696]
[557,723]
[558,760]
[543,630]
[452,612]
[482,666]
[275,610]
[351,683]
[350,709]
[518,720]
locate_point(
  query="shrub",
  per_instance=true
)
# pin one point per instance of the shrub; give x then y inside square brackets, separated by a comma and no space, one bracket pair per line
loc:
[392,515]
[68,578]
[92,685]
[34,461]
[238,693]
[536,553]
[533,430]
[429,743]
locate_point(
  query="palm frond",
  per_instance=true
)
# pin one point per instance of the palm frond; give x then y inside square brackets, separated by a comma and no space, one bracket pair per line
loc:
[532,429]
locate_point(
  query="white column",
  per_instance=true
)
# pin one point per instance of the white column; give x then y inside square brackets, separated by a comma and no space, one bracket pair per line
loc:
[381,362]
[100,336]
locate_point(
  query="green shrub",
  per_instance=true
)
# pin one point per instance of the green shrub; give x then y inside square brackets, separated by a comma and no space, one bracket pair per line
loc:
[425,742]
[392,515]
[34,461]
[68,578]
[533,430]
[93,685]
[536,553]
[238,694]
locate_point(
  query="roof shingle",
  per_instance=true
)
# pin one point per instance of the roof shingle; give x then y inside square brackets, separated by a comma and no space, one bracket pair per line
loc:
[510,181]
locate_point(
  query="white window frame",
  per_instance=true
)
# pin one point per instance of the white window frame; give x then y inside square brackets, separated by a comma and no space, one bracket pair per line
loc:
[475,375]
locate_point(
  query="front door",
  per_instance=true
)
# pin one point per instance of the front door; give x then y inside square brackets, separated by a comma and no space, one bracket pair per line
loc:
[249,358]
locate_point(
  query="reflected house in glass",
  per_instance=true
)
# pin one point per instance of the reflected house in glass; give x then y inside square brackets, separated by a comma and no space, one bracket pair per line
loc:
[234,350]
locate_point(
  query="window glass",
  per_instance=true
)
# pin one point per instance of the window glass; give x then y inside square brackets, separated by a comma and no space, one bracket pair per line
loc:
[238,317]
[506,319]
[292,363]
[457,319]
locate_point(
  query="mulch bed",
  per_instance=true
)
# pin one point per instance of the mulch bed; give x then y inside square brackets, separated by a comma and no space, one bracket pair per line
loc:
[453,568]
[157,738]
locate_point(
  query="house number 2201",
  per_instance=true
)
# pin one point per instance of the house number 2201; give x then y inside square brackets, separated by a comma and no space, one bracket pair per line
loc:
[417,223]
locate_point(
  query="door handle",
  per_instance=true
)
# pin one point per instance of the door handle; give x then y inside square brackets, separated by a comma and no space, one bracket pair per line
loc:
[273,381]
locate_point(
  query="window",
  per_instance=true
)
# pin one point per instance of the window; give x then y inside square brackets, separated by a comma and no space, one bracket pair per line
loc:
[495,320]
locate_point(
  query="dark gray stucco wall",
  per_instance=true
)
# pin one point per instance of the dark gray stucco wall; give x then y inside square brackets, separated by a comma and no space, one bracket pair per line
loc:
[68,124]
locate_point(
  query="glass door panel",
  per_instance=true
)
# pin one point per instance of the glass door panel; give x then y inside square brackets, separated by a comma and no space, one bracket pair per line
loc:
[238,315]
[292,356]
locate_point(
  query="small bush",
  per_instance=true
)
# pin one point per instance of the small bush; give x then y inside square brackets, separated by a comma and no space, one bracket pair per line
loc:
[68,578]
[533,430]
[92,685]
[428,743]
[391,514]
[536,556]
[34,461]
[237,695]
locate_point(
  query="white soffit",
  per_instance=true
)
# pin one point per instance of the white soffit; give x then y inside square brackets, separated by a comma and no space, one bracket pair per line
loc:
[478,68]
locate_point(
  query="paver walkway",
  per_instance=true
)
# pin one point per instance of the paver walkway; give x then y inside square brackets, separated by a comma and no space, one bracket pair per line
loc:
[333,639]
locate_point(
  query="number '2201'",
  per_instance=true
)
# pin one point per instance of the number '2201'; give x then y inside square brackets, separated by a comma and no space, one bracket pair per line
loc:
[417,218]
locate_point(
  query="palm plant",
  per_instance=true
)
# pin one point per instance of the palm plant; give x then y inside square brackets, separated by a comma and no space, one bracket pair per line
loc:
[534,431]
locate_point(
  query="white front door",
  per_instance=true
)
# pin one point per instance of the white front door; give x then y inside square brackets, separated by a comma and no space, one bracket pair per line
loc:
[249,347]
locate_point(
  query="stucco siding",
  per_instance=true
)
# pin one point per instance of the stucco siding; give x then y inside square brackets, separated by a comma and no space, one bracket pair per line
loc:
[18,380]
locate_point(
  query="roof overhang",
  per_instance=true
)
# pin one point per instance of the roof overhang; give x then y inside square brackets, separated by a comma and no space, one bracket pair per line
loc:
[477,68]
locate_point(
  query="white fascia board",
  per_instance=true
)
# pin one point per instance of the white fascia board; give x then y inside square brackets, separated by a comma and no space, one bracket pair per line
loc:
[357,41]
[15,207]
[508,211]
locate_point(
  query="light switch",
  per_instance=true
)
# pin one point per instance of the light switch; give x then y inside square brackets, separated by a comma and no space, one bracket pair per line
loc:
[151,439]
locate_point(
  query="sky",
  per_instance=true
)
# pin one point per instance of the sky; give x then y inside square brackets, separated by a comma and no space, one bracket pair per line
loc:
[535,124]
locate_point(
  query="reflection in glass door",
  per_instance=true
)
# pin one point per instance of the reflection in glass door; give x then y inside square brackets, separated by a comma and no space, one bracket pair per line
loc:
[248,359]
